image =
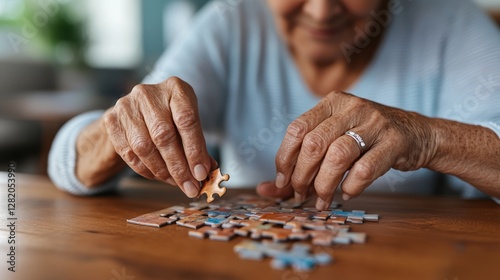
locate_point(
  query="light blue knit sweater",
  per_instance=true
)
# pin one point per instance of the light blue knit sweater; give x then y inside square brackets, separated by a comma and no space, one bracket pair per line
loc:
[440,58]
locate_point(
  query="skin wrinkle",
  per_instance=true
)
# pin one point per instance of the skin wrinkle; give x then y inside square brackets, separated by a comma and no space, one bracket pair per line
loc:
[473,140]
[334,163]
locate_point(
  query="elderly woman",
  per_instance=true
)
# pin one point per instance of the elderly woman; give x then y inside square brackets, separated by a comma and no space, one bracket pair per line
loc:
[304,96]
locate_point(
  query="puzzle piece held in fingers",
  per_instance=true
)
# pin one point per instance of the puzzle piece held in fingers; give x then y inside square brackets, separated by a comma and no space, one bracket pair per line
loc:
[211,185]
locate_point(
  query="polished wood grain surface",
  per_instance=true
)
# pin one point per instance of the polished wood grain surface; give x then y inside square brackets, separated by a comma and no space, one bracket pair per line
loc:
[60,236]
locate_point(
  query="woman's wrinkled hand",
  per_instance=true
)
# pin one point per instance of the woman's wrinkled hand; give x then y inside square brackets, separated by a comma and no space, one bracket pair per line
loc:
[157,132]
[316,154]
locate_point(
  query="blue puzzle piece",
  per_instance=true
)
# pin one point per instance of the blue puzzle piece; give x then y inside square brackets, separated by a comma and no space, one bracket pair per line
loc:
[255,250]
[213,213]
[299,258]
[215,221]
[347,213]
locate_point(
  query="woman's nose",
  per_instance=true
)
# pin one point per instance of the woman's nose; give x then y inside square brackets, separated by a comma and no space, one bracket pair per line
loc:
[322,10]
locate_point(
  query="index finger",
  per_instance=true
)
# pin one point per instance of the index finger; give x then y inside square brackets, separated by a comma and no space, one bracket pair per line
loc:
[288,152]
[184,107]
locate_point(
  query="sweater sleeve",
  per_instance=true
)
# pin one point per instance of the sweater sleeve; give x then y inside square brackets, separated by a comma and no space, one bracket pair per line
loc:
[62,158]
[471,79]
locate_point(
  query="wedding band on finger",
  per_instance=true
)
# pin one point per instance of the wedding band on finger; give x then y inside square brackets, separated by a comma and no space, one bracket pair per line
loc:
[359,140]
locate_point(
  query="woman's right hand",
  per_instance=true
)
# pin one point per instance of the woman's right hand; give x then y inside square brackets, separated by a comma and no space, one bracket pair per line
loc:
[156,130]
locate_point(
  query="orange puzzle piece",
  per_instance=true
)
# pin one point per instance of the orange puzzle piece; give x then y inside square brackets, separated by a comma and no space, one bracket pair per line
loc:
[211,185]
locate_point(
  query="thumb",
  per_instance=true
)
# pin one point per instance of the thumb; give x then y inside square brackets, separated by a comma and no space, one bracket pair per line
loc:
[269,189]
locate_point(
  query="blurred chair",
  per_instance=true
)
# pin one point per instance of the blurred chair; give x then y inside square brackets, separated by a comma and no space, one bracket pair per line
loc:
[17,76]
[20,139]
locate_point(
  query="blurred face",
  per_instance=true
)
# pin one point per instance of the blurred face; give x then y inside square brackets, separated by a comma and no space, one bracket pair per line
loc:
[314,29]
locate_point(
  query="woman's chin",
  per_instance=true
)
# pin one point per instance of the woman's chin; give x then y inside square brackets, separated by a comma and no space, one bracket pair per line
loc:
[324,56]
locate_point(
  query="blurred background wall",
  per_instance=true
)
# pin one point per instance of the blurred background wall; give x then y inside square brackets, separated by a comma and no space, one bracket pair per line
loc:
[59,58]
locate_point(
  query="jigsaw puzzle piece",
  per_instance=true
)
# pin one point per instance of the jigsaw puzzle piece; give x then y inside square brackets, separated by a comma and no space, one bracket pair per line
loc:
[254,228]
[321,215]
[255,250]
[276,218]
[276,233]
[355,237]
[370,217]
[192,221]
[198,205]
[216,221]
[299,235]
[337,220]
[322,237]
[354,216]
[157,218]
[211,185]
[299,258]
[220,212]
[190,212]
[218,234]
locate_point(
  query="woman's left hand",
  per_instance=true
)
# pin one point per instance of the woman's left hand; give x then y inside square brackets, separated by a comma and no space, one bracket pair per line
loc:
[316,152]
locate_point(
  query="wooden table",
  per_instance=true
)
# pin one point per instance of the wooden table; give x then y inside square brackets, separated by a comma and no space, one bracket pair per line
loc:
[60,236]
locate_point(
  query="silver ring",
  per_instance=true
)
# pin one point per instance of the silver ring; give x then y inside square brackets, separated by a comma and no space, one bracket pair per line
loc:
[358,139]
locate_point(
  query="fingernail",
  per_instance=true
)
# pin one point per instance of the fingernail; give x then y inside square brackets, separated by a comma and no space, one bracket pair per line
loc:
[321,204]
[190,189]
[299,198]
[200,173]
[280,180]
[346,197]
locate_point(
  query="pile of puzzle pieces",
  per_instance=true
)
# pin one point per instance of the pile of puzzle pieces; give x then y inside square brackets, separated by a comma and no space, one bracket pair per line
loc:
[258,218]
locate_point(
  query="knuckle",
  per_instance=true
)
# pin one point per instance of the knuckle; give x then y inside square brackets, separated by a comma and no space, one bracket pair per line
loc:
[178,86]
[181,84]
[322,191]
[335,93]
[121,103]
[285,161]
[139,89]
[299,184]
[314,145]
[162,174]
[141,146]
[193,152]
[363,171]
[178,171]
[338,156]
[280,162]
[297,129]
[186,119]
[323,188]
[110,118]
[173,82]
[357,103]
[142,170]
[128,156]
[163,134]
